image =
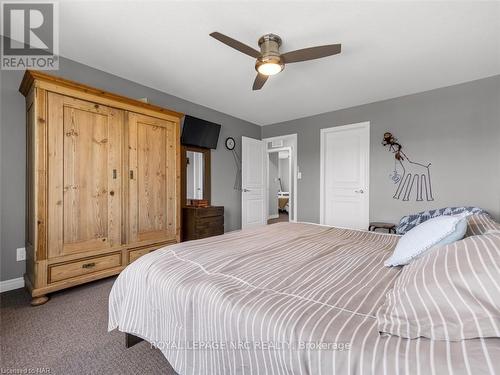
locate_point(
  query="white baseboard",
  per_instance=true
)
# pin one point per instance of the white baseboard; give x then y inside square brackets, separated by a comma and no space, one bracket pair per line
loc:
[273,216]
[11,284]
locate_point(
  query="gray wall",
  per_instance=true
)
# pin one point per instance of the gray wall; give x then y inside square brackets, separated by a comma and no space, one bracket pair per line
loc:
[12,151]
[456,128]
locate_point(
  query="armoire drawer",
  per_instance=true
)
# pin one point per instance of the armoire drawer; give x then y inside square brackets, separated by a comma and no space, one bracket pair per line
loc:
[63,271]
[133,255]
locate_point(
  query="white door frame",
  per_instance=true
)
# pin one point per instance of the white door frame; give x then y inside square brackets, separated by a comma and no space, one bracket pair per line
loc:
[292,137]
[272,151]
[359,125]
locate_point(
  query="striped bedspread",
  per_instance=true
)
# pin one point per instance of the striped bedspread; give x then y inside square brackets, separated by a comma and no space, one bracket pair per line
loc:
[280,299]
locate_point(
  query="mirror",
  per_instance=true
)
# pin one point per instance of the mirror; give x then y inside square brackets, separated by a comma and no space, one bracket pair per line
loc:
[194,175]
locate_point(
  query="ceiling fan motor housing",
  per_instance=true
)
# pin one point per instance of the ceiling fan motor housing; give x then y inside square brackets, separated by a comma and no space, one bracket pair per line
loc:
[269,49]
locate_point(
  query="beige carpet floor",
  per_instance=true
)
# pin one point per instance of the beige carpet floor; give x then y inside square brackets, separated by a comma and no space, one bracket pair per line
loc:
[68,335]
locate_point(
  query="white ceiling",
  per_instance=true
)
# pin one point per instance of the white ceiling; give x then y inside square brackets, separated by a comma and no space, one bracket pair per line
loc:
[389,49]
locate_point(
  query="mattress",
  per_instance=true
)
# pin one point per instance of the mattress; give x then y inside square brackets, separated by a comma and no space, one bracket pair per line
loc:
[287,298]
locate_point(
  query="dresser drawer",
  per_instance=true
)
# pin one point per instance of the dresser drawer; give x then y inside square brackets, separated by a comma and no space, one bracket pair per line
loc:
[210,212]
[200,223]
[210,222]
[63,271]
[209,232]
[209,226]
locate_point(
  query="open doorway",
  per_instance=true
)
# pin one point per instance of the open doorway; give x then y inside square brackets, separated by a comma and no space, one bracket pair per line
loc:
[279,184]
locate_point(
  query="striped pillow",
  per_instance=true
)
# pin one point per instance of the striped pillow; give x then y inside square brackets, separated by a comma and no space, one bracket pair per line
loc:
[449,294]
[480,224]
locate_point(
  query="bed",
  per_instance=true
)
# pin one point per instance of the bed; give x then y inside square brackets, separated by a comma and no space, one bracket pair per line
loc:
[287,298]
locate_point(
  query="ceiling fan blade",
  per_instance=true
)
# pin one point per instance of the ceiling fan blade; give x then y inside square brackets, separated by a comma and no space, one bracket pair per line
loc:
[233,43]
[259,81]
[311,53]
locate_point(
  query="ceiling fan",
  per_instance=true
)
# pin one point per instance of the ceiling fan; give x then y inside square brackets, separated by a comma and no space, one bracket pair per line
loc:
[269,60]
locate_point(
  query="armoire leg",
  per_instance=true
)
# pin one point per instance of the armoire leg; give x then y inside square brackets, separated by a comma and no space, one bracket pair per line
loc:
[40,300]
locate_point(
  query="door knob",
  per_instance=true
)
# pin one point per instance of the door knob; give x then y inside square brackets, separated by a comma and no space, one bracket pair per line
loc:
[360,191]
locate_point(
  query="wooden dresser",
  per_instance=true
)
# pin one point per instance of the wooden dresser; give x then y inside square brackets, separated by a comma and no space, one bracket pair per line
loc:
[103,182]
[202,222]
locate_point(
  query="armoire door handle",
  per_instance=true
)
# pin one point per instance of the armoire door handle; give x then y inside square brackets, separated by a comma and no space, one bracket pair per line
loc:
[114,174]
[131,175]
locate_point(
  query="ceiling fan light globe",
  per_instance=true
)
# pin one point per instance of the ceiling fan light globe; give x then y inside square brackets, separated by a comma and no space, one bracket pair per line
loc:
[269,69]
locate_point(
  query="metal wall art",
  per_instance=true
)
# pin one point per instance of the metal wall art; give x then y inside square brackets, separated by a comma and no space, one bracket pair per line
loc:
[413,175]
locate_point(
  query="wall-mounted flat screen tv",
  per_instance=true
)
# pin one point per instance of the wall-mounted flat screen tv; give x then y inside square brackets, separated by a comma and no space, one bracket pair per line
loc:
[198,132]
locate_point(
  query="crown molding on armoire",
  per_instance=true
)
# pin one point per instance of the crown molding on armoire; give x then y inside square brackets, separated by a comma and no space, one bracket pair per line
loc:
[35,78]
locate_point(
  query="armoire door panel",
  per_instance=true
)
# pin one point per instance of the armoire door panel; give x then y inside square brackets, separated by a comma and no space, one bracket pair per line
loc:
[85,179]
[87,196]
[172,158]
[152,189]
[151,173]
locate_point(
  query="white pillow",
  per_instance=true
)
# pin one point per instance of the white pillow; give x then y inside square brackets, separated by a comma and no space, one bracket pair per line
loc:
[438,231]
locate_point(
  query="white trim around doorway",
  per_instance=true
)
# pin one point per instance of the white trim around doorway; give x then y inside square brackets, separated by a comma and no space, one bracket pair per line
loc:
[293,138]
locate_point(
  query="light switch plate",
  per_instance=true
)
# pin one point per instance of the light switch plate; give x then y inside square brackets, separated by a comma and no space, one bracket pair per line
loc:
[21,254]
[299,175]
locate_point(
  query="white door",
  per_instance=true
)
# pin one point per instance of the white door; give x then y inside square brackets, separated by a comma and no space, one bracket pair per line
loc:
[345,166]
[253,208]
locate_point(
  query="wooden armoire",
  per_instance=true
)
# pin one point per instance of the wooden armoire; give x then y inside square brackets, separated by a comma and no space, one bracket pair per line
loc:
[102,182]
